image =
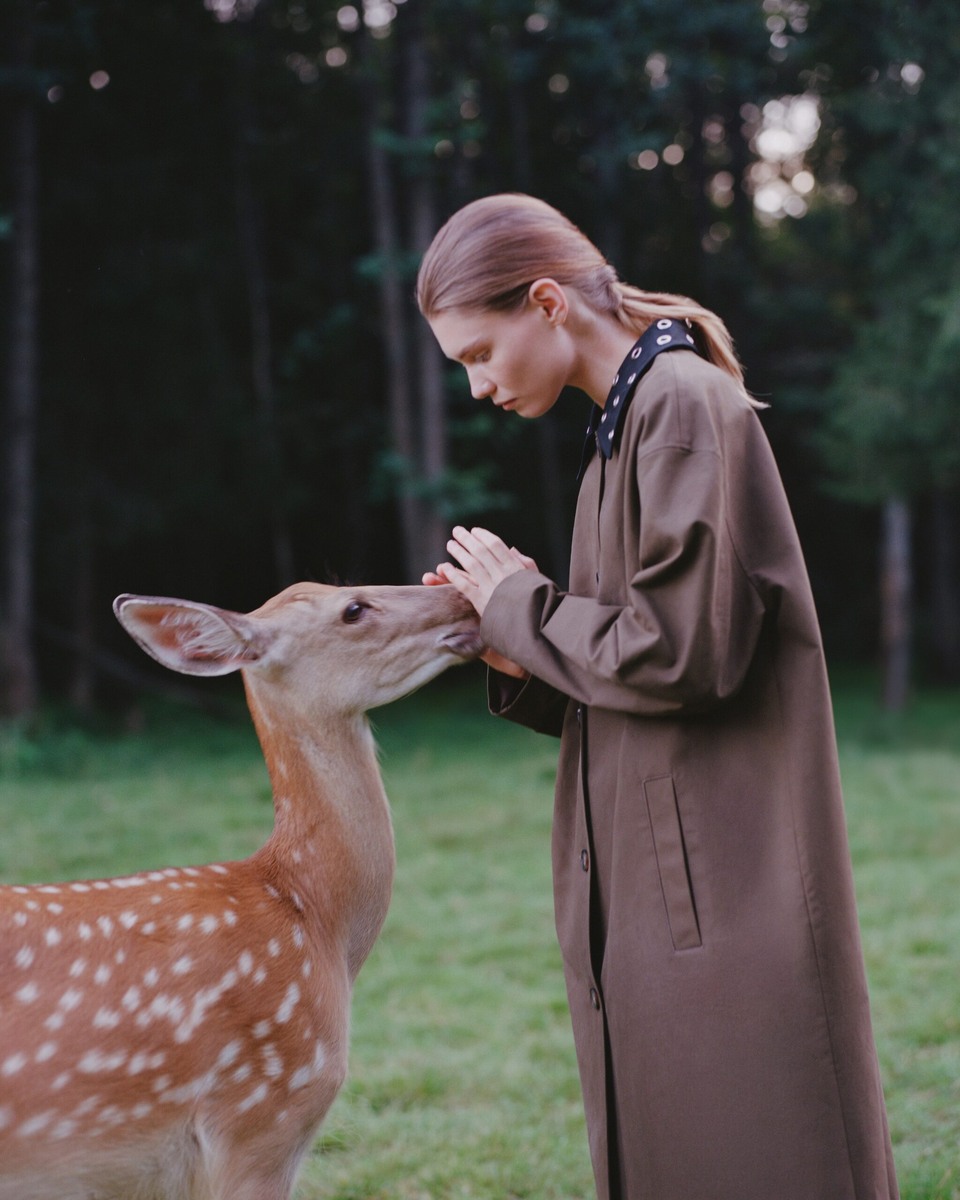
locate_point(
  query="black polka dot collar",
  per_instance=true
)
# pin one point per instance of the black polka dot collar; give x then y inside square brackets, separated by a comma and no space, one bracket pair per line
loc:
[665,334]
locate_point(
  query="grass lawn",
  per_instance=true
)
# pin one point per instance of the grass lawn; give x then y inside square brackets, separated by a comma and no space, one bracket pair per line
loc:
[463,1082]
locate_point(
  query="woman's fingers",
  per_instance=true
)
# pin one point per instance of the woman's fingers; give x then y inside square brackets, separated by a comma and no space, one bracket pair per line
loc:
[485,561]
[525,559]
[482,544]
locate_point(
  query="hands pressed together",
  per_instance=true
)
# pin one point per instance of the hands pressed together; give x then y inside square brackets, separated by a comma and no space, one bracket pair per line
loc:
[485,561]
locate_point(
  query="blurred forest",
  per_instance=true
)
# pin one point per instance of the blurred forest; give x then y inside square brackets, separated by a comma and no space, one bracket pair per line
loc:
[214,379]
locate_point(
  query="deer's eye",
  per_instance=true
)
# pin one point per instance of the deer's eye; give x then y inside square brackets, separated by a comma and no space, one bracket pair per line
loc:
[353,612]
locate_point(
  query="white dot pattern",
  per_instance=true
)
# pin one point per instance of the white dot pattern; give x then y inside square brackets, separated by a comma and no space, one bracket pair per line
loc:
[665,334]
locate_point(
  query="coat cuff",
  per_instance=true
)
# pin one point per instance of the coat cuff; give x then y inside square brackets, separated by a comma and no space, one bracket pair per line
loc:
[530,702]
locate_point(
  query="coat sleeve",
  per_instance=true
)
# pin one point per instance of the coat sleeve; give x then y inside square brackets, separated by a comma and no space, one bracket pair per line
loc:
[687,634]
[532,702]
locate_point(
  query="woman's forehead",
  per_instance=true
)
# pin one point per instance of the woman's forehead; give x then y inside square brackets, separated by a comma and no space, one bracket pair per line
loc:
[459,331]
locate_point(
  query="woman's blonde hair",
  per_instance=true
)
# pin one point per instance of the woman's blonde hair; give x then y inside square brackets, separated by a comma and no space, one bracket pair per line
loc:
[489,252]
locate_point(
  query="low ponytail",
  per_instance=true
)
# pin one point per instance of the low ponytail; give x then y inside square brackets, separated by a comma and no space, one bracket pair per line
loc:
[637,309]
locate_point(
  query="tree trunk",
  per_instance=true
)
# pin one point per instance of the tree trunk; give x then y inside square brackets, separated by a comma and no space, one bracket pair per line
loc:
[549,461]
[399,382]
[249,226]
[433,440]
[82,688]
[945,605]
[18,671]
[896,595]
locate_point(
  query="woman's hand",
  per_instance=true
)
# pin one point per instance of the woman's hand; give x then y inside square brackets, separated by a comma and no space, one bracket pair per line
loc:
[485,561]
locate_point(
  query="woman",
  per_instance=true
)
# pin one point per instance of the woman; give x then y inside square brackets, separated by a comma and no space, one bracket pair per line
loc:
[703,890]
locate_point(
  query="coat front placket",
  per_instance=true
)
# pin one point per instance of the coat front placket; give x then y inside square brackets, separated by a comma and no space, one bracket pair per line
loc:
[584,987]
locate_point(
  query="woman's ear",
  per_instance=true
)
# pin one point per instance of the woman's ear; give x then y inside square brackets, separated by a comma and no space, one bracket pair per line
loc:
[549,297]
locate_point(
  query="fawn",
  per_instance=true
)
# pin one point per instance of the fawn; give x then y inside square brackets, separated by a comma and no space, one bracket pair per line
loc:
[179,1034]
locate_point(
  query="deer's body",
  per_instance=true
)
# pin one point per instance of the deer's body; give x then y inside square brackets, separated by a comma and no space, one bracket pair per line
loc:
[179,1034]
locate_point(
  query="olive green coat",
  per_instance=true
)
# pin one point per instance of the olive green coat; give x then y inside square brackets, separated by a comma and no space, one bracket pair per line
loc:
[703,889]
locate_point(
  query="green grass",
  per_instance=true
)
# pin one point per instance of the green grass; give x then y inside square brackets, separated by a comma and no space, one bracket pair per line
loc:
[463,1082]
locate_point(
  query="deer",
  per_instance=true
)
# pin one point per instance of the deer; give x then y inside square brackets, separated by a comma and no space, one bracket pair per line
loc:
[180,1033]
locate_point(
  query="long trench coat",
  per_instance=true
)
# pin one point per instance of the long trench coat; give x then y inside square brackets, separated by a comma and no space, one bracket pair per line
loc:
[703,887]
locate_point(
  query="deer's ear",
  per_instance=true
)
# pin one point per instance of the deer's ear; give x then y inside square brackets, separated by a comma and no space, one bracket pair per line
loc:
[194,639]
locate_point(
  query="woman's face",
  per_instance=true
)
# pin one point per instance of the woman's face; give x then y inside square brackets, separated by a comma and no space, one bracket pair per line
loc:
[520,360]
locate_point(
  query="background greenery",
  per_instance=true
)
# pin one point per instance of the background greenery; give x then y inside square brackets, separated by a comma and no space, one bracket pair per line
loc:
[211,211]
[463,1082]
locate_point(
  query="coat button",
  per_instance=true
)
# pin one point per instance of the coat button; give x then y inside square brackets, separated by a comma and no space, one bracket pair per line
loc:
[585,859]
[595,999]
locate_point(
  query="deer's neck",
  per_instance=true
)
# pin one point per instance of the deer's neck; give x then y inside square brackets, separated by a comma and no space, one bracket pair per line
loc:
[332,849]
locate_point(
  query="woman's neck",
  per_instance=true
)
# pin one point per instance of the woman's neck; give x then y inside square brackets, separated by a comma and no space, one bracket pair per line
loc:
[601,344]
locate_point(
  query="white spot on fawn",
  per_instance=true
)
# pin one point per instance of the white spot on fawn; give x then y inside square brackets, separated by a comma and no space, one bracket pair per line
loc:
[28,993]
[131,999]
[257,1096]
[160,1006]
[203,1000]
[290,1001]
[106,1018]
[36,1124]
[15,1063]
[70,999]
[145,1062]
[308,1074]
[95,1061]
[272,1062]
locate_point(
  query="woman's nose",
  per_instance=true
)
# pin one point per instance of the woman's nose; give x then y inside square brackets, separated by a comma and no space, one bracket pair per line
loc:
[480,386]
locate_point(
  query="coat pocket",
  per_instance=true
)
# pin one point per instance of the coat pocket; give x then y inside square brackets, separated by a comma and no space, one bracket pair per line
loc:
[672,863]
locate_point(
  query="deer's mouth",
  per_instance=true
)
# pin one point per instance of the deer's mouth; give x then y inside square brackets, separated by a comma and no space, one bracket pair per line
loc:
[465,643]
